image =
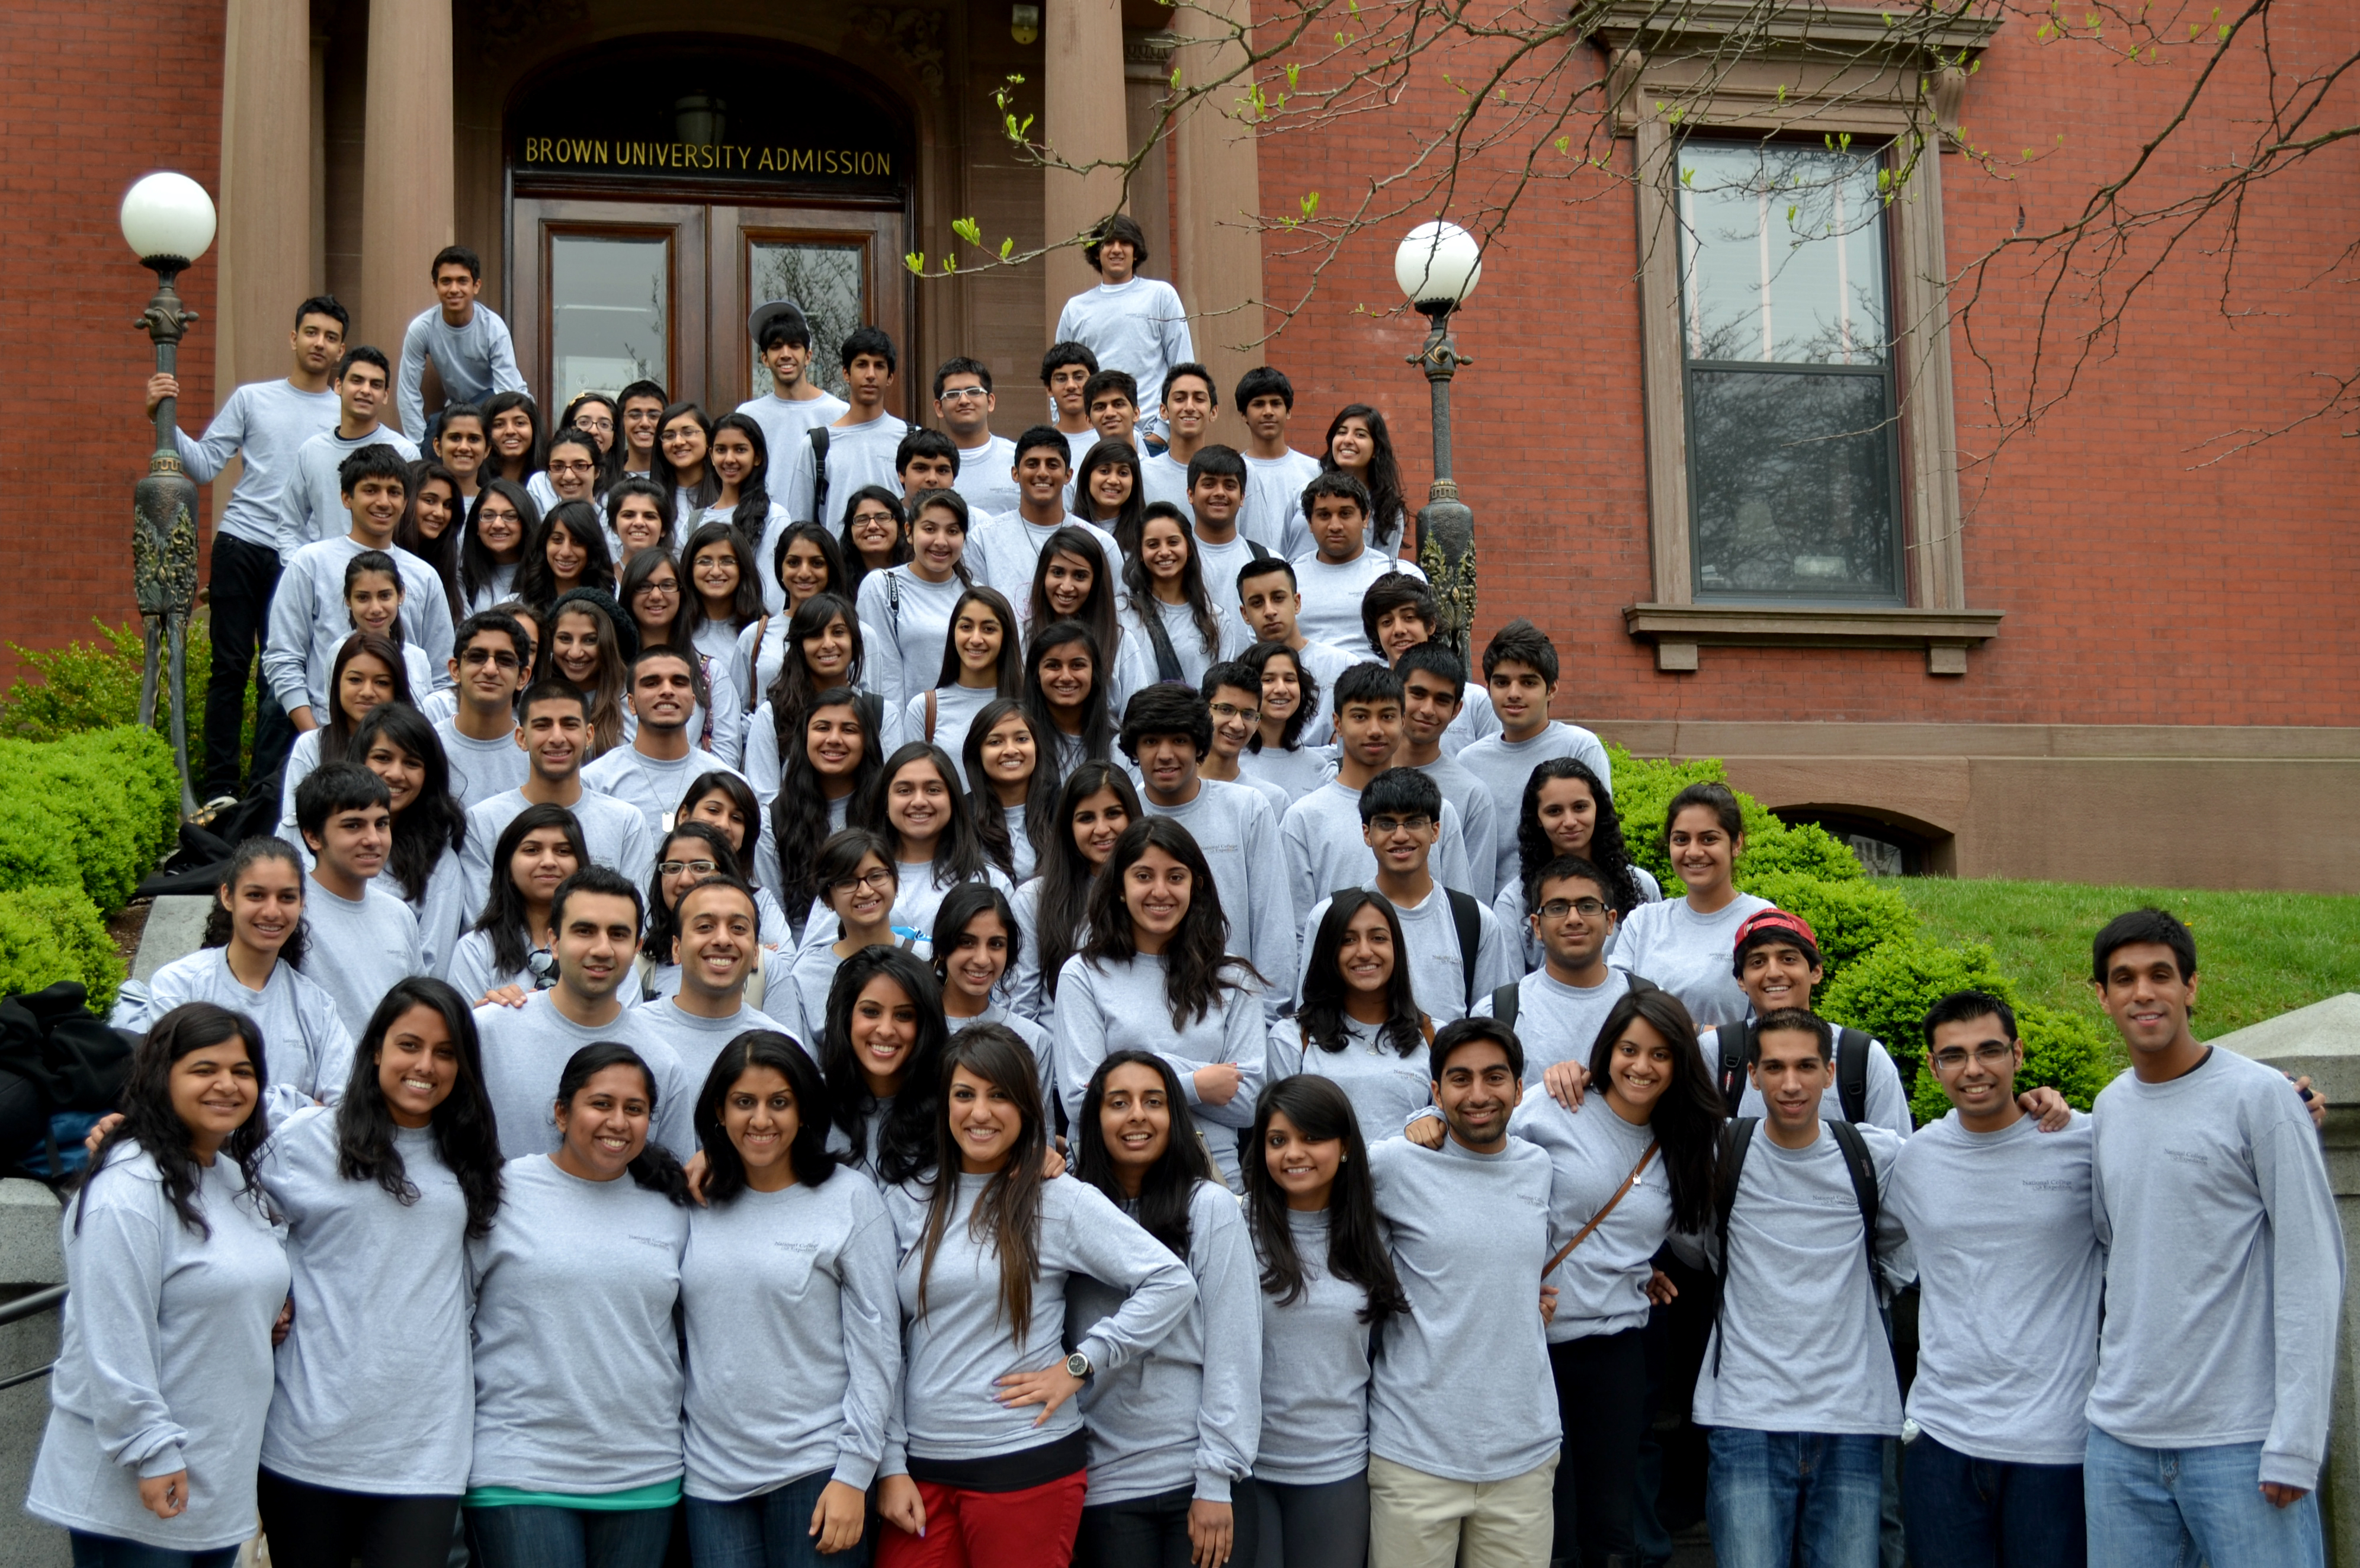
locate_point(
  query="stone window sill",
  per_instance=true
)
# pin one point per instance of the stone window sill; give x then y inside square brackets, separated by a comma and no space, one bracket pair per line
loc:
[1679,630]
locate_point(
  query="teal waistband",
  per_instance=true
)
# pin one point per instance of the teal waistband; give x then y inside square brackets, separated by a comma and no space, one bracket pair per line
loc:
[656,1494]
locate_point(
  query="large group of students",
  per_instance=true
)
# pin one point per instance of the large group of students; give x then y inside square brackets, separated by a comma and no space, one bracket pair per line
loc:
[828,990]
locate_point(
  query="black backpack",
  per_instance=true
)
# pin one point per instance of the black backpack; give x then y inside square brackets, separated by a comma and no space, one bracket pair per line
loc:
[1852,1068]
[1736,1137]
[819,474]
[1506,998]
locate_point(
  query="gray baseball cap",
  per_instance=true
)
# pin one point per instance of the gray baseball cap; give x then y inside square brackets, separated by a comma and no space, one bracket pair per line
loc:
[776,311]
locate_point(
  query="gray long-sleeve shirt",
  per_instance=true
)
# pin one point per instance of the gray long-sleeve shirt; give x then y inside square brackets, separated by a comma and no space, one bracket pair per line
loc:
[1103,1008]
[312,498]
[1324,850]
[1385,1087]
[1689,954]
[1233,826]
[857,455]
[1317,1359]
[614,831]
[913,619]
[376,1392]
[1505,766]
[306,1045]
[2008,1289]
[474,362]
[697,1041]
[1190,1409]
[1463,1389]
[1137,325]
[264,423]
[1602,1284]
[163,1357]
[482,768]
[309,621]
[957,1342]
[364,944]
[574,1288]
[2225,1269]
[525,1049]
[795,1345]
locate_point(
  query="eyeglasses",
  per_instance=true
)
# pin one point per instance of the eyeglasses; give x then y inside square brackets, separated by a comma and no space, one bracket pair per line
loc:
[573,467]
[674,867]
[669,585]
[1232,711]
[960,394]
[1990,1053]
[1383,825]
[1557,909]
[876,881]
[541,964]
[479,657]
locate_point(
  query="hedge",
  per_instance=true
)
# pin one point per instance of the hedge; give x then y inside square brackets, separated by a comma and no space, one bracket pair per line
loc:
[49,934]
[1882,972]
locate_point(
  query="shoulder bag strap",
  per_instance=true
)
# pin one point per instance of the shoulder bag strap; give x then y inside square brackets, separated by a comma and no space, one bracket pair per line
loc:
[1599,1217]
[931,710]
[754,664]
[1505,999]
[1467,917]
[819,473]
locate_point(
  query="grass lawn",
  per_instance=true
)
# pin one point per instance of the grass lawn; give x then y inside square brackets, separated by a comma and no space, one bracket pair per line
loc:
[2260,953]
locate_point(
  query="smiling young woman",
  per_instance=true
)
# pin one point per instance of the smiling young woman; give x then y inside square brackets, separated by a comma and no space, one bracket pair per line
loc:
[1095,803]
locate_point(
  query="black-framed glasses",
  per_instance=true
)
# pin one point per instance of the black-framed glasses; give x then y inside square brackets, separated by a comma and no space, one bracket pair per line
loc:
[573,467]
[1418,823]
[701,868]
[1990,1053]
[1557,909]
[482,656]
[876,881]
[1232,711]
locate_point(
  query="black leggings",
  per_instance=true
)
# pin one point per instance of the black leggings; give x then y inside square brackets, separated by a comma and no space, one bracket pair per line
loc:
[1601,1400]
[317,1526]
[1315,1527]
[1153,1533]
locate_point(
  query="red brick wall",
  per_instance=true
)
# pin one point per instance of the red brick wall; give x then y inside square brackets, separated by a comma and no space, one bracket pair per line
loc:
[2138,589]
[92,96]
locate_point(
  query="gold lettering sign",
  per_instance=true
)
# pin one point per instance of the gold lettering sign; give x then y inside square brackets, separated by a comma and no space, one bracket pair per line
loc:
[599,153]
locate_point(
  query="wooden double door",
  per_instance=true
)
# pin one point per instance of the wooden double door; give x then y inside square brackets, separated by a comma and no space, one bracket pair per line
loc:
[608,292]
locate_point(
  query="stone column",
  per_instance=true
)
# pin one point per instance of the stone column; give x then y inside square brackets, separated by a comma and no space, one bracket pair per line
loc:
[265,188]
[1218,171]
[407,187]
[1082,113]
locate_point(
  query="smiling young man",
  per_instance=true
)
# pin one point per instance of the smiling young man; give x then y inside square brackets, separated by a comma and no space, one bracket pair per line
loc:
[365,937]
[1463,1428]
[1065,370]
[2224,1284]
[1321,832]
[1131,323]
[1520,669]
[861,444]
[2007,1325]
[795,403]
[643,405]
[1166,732]
[1777,961]
[1332,578]
[1560,1005]
[655,770]
[1434,687]
[1797,1386]
[1215,481]
[552,729]
[1275,472]
[472,352]
[1002,551]
[963,404]
[1232,694]
[312,503]
[1399,613]
[1189,409]
[1268,603]
[489,662]
[595,913]
[1457,953]
[1112,399]
[308,618]
[718,947]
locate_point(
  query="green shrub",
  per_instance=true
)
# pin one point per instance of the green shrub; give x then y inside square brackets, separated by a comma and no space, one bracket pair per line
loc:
[1803,849]
[1850,918]
[2063,1050]
[49,934]
[96,810]
[95,685]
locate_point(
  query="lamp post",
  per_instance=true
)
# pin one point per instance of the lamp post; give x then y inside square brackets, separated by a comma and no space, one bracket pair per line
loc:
[169,220]
[1437,267]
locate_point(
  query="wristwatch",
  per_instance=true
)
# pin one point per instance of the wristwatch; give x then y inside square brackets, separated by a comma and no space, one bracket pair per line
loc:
[1077,1365]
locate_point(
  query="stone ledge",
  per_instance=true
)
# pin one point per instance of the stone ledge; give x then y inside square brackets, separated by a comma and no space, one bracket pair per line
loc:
[30,1250]
[1679,630]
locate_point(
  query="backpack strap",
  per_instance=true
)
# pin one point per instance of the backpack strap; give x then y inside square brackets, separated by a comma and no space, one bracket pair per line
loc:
[1737,1054]
[1736,1137]
[754,664]
[1852,1077]
[931,710]
[1505,999]
[818,435]
[894,599]
[1861,1166]
[1467,917]
[1638,984]
[1258,552]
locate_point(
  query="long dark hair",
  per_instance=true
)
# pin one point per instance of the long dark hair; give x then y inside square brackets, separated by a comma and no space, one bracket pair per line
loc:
[536,582]
[536,455]
[660,468]
[1606,849]
[150,1122]
[1197,966]
[664,919]
[475,563]
[642,565]
[1097,607]
[905,1144]
[856,565]
[807,1154]
[746,605]
[1166,1187]
[831,555]
[1687,1118]
[1066,876]
[1128,517]
[958,909]
[792,689]
[753,512]
[646,490]
[1009,1208]
[1008,673]
[983,801]
[1384,470]
[1357,1252]
[441,552]
[1098,717]
[1140,582]
[610,456]
[221,925]
[1321,1014]
[655,1167]
[503,920]
[721,782]
[467,1135]
[1289,733]
[433,823]
[958,855]
[337,728]
[798,819]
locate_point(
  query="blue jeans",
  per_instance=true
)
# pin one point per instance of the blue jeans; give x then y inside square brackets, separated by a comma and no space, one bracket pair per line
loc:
[2170,1507]
[114,1552]
[523,1536]
[1807,1498]
[771,1531]
[1985,1513]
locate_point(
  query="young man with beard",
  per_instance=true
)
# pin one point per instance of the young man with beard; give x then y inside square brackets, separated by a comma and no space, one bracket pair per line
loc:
[795,402]
[554,731]
[363,937]
[489,658]
[655,770]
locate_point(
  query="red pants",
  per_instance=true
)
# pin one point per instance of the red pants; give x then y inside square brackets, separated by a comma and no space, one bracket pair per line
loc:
[1030,1528]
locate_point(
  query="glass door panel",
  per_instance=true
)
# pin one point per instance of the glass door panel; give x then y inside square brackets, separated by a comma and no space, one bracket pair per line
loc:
[827,279]
[609,314]
[842,265]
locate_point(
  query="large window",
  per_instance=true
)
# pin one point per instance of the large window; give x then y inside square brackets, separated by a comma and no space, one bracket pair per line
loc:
[1785,316]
